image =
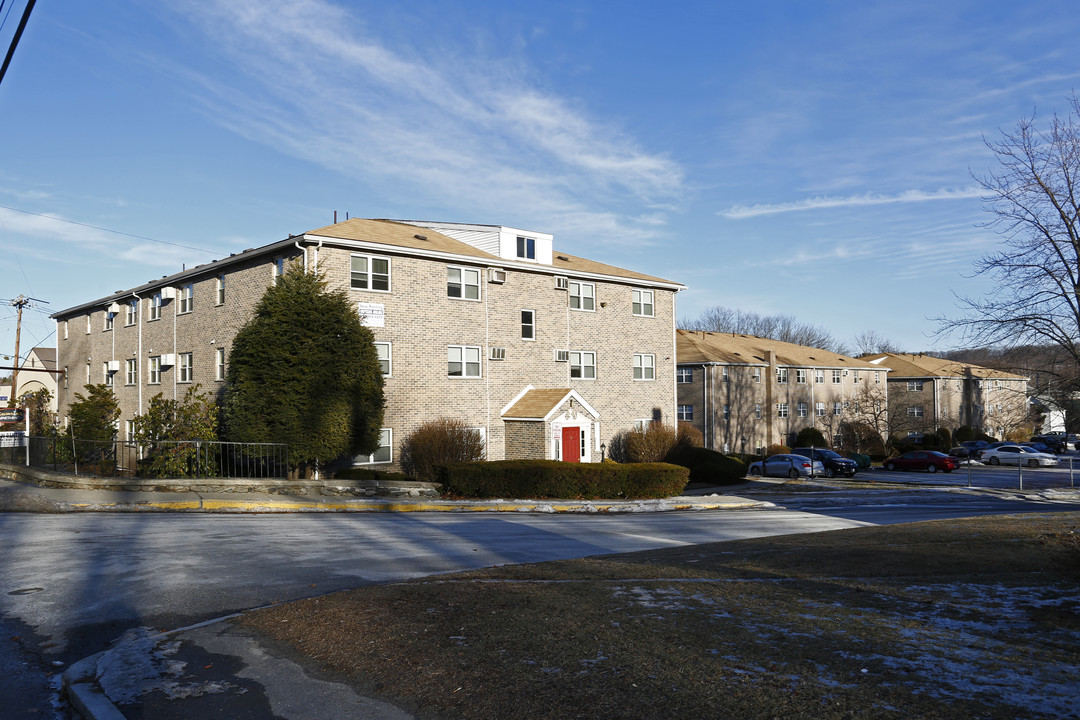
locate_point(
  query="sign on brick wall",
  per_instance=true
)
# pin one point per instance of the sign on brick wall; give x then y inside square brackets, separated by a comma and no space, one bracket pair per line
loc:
[371,314]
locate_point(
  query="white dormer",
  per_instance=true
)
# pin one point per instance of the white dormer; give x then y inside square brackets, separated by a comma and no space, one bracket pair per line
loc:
[532,247]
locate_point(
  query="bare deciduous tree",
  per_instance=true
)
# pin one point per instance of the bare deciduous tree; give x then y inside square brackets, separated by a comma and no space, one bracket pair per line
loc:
[1034,198]
[784,328]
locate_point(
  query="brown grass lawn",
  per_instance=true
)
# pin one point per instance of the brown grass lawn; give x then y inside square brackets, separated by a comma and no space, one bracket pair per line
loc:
[975,618]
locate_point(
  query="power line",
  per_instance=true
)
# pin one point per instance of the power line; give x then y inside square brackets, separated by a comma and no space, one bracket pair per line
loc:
[15,40]
[108,230]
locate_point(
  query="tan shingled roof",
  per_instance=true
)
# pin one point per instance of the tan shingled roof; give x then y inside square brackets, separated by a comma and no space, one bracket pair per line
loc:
[707,347]
[387,232]
[573,264]
[907,365]
[537,403]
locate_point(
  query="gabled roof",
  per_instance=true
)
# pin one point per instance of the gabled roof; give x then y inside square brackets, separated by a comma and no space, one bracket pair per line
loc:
[908,365]
[541,404]
[696,347]
[394,234]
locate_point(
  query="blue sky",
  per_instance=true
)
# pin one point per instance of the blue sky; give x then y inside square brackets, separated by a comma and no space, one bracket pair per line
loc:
[805,158]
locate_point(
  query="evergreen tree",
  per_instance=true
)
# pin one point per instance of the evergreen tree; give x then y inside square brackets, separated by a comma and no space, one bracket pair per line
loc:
[304,371]
[94,416]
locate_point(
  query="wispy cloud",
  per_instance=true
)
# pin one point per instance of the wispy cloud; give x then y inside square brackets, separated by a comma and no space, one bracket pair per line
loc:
[741,212]
[452,129]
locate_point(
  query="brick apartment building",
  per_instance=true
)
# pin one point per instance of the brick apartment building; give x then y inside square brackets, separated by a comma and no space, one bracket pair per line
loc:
[546,353]
[745,393]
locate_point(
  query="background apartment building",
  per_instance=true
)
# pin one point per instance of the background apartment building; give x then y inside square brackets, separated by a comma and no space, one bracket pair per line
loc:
[546,353]
[928,392]
[745,393]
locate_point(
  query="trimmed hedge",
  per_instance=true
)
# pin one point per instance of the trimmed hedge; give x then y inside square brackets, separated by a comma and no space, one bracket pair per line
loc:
[543,479]
[708,466]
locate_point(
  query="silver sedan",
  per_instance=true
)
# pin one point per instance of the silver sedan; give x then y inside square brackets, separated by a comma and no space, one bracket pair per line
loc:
[1018,455]
[792,466]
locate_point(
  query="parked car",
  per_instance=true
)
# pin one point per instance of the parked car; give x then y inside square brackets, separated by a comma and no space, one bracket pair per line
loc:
[961,453]
[1019,455]
[928,460]
[792,466]
[1056,443]
[975,447]
[834,463]
[1038,447]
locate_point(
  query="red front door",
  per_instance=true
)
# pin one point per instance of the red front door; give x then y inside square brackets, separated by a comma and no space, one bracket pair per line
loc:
[571,444]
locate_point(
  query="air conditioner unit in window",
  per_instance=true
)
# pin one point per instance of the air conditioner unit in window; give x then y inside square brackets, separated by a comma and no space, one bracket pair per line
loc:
[114,366]
[113,309]
[562,283]
[168,360]
[496,275]
[845,373]
[168,293]
[562,356]
[498,353]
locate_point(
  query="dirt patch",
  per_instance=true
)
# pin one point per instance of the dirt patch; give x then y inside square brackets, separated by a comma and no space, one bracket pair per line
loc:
[976,618]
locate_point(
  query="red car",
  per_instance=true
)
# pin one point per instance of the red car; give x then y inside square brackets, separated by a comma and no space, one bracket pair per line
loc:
[928,460]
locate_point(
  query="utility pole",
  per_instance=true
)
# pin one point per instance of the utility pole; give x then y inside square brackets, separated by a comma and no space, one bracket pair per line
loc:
[19,303]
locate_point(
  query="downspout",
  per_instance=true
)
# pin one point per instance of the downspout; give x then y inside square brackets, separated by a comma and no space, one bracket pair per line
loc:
[705,405]
[303,252]
[138,352]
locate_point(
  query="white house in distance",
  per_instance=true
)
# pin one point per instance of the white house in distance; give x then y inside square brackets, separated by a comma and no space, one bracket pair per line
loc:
[546,353]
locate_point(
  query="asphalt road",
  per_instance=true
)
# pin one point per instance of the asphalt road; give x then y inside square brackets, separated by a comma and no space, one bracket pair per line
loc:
[69,584]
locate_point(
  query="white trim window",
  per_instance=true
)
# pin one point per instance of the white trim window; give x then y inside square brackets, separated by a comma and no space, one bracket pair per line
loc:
[187,369]
[385,453]
[154,371]
[838,408]
[855,376]
[837,378]
[463,361]
[727,413]
[155,308]
[644,366]
[89,319]
[462,283]
[583,364]
[802,409]
[187,299]
[87,373]
[526,248]
[131,374]
[914,385]
[725,374]
[642,301]
[108,322]
[131,313]
[781,410]
[129,430]
[915,411]
[219,290]
[819,376]
[582,295]
[819,409]
[686,413]
[277,268]
[756,375]
[106,375]
[386,357]
[684,375]
[781,375]
[219,364]
[757,411]
[800,376]
[528,324]
[370,272]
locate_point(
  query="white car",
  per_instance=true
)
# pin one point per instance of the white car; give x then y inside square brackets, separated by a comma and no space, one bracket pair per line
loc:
[1018,455]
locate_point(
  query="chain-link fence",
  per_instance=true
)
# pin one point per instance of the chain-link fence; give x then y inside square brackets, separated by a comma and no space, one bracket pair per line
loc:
[160,459]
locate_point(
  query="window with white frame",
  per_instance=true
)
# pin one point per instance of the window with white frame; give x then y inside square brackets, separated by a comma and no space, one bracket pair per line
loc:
[278,268]
[684,375]
[583,364]
[642,301]
[370,272]
[837,408]
[802,409]
[686,413]
[187,299]
[219,364]
[526,248]
[800,376]
[757,411]
[644,366]
[463,361]
[385,452]
[727,412]
[819,376]
[187,370]
[87,373]
[582,296]
[132,313]
[781,410]
[914,385]
[781,375]
[129,430]
[756,374]
[725,374]
[836,377]
[915,411]
[219,294]
[877,377]
[819,409]
[528,324]
[65,329]
[88,320]
[855,376]
[155,308]
[131,375]
[644,423]
[154,371]
[107,377]
[463,283]
[108,321]
[386,356]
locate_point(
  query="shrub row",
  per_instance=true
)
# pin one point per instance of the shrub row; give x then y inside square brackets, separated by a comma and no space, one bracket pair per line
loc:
[542,479]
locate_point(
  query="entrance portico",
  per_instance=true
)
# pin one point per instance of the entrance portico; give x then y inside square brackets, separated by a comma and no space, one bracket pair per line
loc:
[553,424]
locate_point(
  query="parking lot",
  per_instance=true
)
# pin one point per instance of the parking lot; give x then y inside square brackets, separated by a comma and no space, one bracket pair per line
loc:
[975,474]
